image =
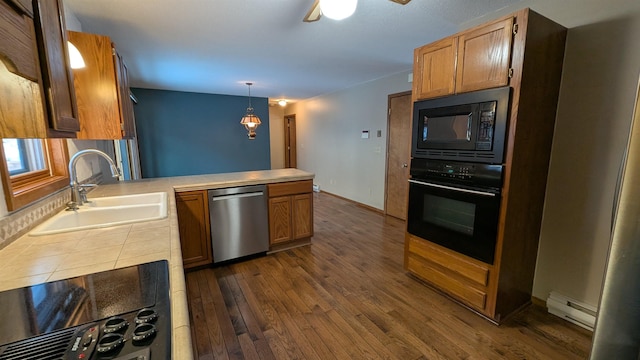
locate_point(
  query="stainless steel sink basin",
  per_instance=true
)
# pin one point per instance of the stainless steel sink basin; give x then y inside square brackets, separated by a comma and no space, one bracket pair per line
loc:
[107,211]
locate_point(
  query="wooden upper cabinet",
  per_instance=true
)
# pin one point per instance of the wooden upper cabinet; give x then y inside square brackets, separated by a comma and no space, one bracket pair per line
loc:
[484,56]
[104,106]
[23,108]
[57,76]
[434,69]
[472,60]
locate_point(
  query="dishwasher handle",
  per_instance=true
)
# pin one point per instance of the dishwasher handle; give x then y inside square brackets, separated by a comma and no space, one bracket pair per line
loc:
[235,196]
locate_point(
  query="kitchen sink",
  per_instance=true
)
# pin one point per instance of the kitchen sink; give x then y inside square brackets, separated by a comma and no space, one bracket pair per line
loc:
[156,198]
[107,211]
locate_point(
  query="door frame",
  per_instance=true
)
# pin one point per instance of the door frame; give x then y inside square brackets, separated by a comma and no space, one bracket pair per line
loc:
[386,161]
[287,141]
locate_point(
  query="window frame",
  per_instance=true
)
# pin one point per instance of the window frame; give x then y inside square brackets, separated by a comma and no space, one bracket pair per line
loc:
[24,189]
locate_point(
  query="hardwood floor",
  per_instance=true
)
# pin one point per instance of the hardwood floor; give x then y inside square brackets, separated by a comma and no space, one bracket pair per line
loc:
[346,296]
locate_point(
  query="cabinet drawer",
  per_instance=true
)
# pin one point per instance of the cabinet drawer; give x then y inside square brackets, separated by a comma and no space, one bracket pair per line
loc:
[290,188]
[451,261]
[467,294]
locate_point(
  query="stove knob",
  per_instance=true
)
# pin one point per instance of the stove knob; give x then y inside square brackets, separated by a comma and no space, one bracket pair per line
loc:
[114,324]
[146,316]
[109,342]
[143,332]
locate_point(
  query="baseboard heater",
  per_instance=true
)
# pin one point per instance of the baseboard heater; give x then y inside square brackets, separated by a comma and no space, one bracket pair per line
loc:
[579,313]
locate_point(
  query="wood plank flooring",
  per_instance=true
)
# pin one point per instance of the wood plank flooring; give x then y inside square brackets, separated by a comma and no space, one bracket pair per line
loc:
[346,296]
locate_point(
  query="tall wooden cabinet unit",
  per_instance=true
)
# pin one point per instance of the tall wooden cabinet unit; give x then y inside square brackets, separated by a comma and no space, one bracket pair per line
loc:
[472,60]
[102,89]
[290,212]
[37,99]
[536,55]
[194,228]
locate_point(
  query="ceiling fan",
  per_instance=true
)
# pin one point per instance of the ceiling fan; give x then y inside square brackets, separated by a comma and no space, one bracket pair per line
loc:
[315,14]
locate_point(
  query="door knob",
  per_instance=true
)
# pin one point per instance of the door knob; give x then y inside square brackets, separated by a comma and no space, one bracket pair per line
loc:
[405,165]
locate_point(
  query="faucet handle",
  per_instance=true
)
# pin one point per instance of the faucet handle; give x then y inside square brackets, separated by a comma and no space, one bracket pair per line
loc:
[71,206]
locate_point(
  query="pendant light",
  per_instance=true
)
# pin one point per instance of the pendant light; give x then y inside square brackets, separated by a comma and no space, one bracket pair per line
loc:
[250,120]
[338,9]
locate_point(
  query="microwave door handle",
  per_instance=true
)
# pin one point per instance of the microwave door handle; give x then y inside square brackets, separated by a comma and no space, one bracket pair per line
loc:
[484,193]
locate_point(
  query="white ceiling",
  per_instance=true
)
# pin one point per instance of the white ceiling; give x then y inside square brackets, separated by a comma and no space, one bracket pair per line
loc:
[215,46]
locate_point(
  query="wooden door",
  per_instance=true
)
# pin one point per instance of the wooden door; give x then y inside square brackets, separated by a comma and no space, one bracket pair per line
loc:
[398,155]
[193,226]
[280,227]
[57,76]
[96,87]
[434,69]
[126,104]
[484,56]
[290,156]
[302,216]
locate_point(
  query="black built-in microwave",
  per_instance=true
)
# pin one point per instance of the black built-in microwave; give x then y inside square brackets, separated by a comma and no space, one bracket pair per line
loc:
[464,127]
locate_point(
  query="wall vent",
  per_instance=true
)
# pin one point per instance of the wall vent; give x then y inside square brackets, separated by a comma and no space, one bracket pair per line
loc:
[579,313]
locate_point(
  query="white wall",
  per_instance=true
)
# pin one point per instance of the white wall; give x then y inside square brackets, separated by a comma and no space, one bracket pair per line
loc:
[329,139]
[600,78]
[276,135]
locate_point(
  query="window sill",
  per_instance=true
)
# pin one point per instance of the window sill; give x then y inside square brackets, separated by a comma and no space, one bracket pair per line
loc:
[35,191]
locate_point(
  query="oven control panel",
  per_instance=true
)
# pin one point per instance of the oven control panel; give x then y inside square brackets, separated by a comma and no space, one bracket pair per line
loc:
[471,174]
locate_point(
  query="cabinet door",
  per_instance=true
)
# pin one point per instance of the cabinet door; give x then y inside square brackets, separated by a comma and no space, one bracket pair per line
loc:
[302,216]
[435,69]
[96,88]
[194,229]
[126,106]
[280,220]
[21,100]
[57,77]
[484,56]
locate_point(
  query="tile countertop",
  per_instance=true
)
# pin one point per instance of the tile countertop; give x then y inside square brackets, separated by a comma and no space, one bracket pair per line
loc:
[36,259]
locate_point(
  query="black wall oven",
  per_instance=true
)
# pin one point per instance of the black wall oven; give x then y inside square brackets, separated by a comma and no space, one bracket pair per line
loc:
[456,205]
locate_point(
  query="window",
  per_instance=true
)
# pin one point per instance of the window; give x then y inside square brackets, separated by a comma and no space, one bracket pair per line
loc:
[24,155]
[32,169]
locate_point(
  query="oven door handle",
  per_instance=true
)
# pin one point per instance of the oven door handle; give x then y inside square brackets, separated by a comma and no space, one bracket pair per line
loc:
[484,193]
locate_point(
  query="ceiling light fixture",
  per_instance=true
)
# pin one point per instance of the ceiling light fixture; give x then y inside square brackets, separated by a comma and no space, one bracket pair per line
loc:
[338,9]
[282,102]
[250,120]
[75,58]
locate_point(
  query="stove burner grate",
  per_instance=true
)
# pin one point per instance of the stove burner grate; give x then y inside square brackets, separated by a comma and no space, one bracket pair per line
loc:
[51,346]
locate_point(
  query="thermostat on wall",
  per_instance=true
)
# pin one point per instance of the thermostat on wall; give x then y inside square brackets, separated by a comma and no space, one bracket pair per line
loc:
[365,134]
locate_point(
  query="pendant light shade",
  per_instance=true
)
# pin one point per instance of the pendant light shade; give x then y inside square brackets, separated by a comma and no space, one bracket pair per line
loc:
[250,120]
[338,9]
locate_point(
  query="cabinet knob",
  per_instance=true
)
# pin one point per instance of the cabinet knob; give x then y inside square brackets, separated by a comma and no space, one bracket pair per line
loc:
[405,165]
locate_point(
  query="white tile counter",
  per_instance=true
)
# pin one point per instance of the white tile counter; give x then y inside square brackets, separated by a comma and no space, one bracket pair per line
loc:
[36,259]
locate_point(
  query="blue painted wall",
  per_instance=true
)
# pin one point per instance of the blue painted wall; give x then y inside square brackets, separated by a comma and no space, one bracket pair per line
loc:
[181,133]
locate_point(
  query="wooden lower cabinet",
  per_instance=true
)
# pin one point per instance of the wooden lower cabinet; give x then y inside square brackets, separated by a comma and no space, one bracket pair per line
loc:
[290,211]
[463,278]
[194,228]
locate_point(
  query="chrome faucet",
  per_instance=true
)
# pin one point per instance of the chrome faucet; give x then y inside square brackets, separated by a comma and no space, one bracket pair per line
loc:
[78,192]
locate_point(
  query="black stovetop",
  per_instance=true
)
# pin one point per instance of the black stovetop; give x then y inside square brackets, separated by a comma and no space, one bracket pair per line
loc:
[46,308]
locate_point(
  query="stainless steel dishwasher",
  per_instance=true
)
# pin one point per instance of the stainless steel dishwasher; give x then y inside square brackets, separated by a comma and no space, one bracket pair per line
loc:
[239,221]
